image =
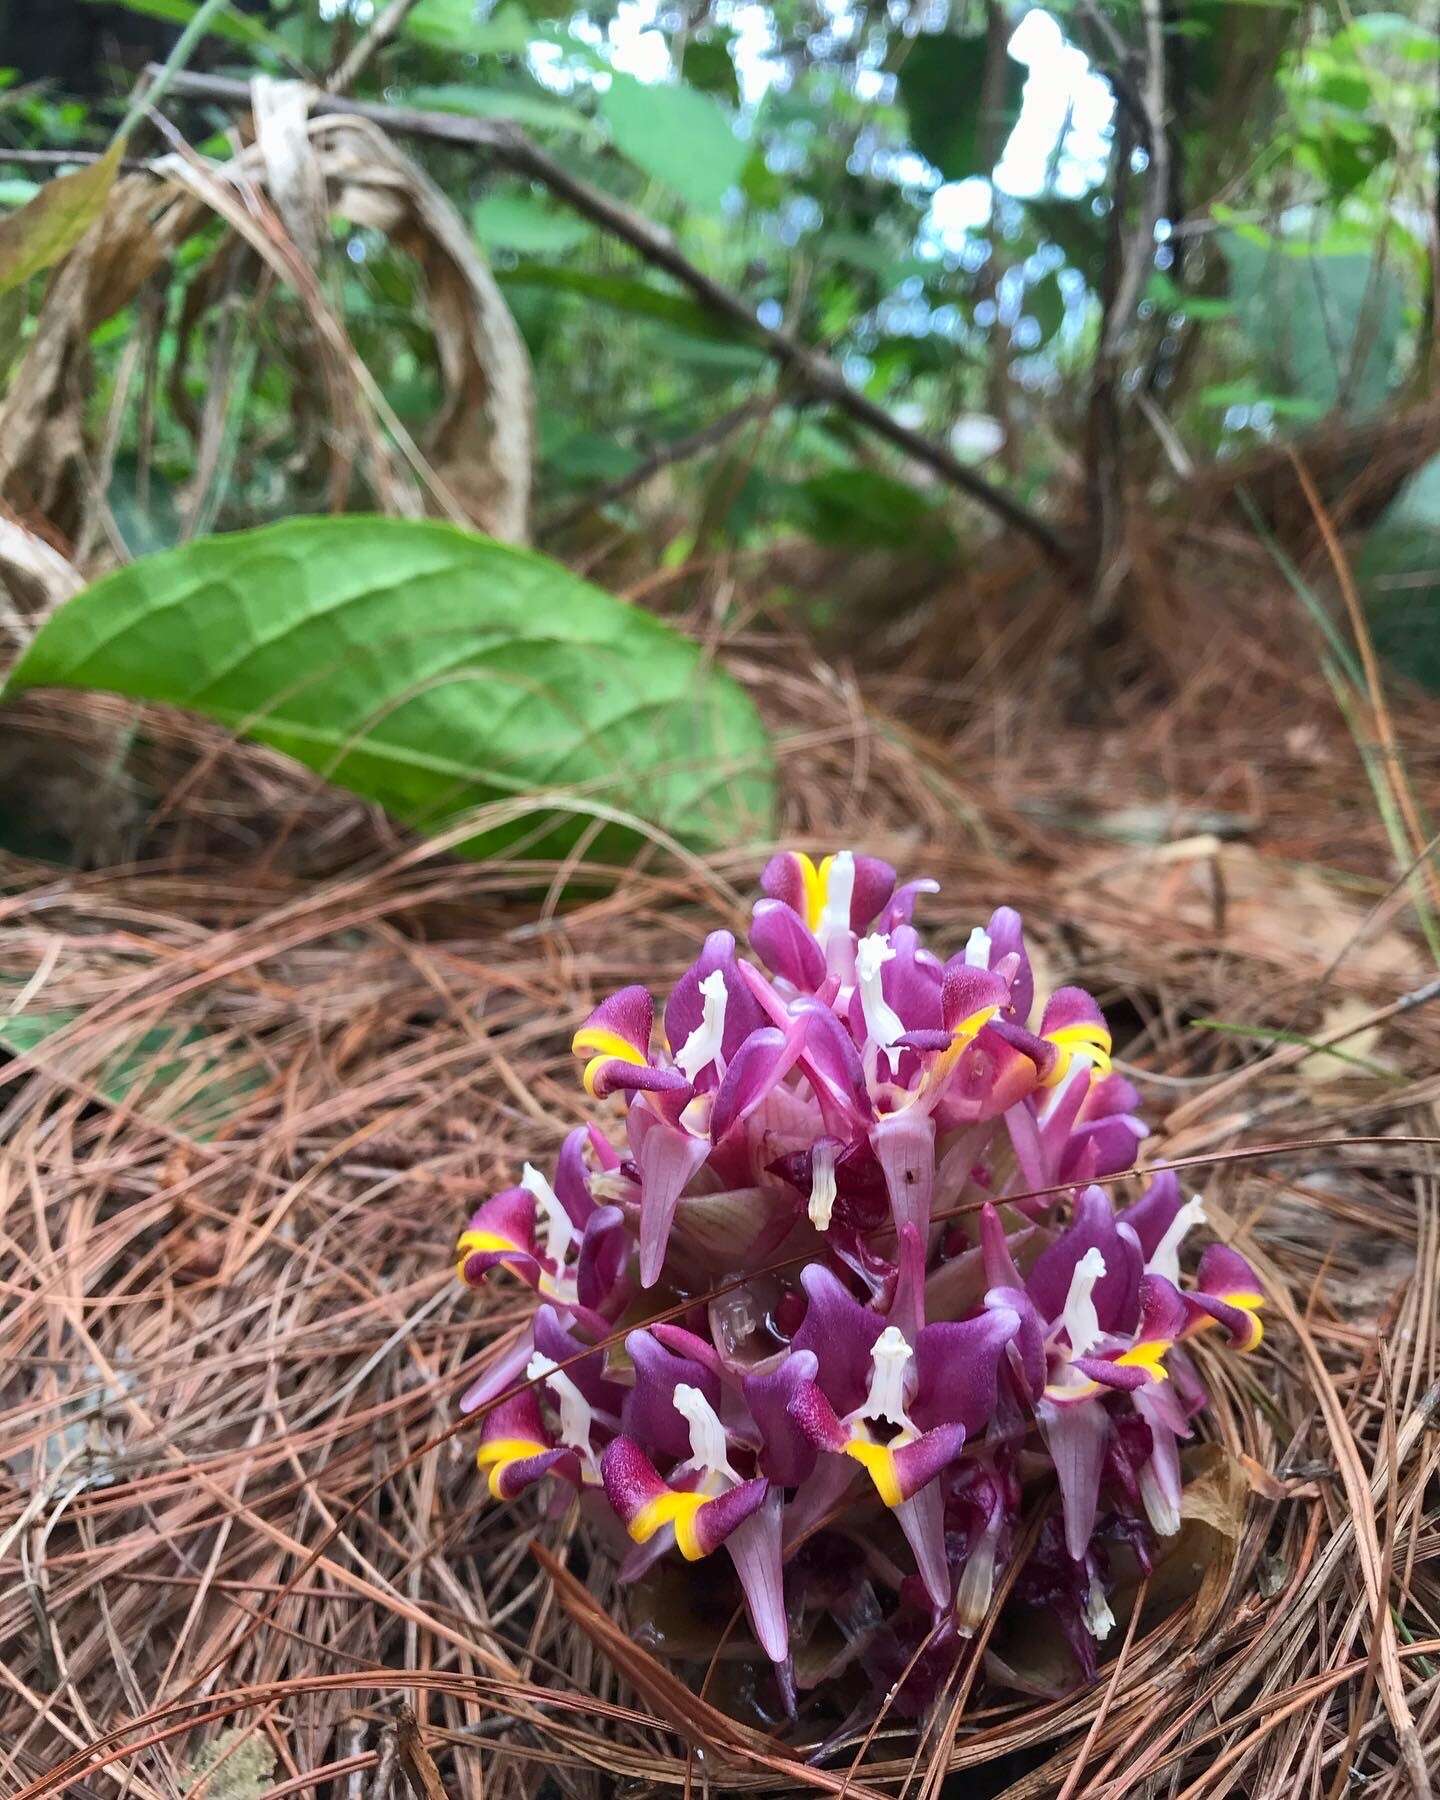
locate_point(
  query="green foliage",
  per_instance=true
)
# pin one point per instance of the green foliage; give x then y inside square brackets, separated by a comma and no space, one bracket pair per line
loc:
[535,111]
[864,509]
[452,25]
[527,224]
[1325,325]
[677,135]
[941,84]
[433,672]
[1399,574]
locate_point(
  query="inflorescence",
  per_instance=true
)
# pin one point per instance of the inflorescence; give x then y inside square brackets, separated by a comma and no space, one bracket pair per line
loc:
[815,1192]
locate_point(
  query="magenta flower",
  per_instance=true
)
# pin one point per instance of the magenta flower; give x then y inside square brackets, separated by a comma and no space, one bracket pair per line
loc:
[860,1185]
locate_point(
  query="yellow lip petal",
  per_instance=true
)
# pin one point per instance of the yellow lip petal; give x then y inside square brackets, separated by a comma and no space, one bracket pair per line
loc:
[878,1462]
[671,1508]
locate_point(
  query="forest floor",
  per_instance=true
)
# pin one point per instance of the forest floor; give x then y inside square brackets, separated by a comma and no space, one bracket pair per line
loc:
[264,1065]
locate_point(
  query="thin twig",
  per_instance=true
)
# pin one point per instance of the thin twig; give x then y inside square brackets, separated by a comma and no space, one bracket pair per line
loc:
[664,456]
[374,41]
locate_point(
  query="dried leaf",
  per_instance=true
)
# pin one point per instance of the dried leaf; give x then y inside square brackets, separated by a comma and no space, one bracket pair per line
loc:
[56,219]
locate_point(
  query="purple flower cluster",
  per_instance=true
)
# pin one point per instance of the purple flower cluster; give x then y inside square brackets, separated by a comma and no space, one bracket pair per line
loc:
[856,1201]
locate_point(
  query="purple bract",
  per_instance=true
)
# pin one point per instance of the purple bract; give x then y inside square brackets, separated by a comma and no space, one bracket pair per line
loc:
[851,1260]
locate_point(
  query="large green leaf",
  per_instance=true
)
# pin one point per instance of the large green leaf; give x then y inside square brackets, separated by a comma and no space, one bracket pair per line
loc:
[1399,571]
[677,135]
[940,84]
[431,671]
[1325,325]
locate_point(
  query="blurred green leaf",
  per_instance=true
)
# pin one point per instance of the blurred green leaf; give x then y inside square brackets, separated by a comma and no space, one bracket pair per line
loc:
[677,135]
[452,25]
[432,672]
[235,27]
[1325,328]
[1399,574]
[625,293]
[527,224]
[940,82]
[535,110]
[1045,303]
[867,509]
[708,65]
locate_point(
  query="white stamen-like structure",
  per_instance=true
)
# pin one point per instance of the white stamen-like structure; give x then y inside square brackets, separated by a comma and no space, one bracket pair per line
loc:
[1080,1320]
[707,1434]
[882,1023]
[576,1413]
[977,949]
[703,1046]
[559,1231]
[889,1368]
[1166,1260]
[1098,1615]
[822,1185]
[839,890]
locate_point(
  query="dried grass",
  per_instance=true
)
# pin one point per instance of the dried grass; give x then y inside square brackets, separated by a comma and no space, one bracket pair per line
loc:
[238,1520]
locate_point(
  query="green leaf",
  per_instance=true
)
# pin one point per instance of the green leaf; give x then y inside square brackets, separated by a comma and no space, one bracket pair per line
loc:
[235,27]
[526,224]
[940,84]
[452,25]
[537,111]
[677,135]
[146,1072]
[1045,303]
[16,191]
[1324,327]
[433,672]
[867,509]
[51,224]
[707,64]
[625,294]
[1399,574]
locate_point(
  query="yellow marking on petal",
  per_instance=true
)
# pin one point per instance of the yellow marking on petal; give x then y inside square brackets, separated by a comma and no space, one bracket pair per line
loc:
[603,1046]
[814,883]
[595,1040]
[473,1241]
[1088,1036]
[964,1034]
[878,1462]
[1149,1355]
[1242,1302]
[677,1508]
[1062,1394]
[501,1454]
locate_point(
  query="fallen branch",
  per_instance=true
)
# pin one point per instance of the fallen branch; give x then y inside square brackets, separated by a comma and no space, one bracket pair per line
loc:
[811,372]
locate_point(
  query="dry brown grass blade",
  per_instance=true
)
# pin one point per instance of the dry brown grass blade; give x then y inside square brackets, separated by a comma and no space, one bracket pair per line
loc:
[471,464]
